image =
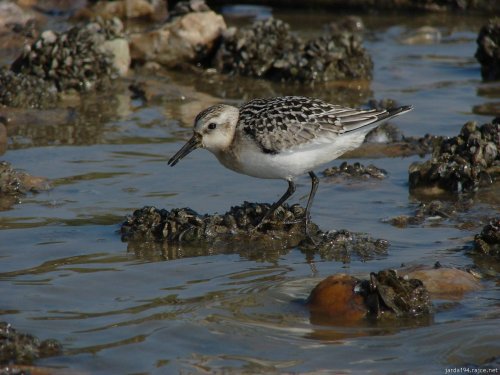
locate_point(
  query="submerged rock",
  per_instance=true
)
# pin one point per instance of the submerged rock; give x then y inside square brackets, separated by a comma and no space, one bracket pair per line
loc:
[355,170]
[488,50]
[442,282]
[462,163]
[23,348]
[343,246]
[13,182]
[268,49]
[384,295]
[432,211]
[488,241]
[83,58]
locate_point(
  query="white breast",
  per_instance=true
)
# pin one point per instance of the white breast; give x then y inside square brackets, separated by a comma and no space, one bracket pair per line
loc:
[250,160]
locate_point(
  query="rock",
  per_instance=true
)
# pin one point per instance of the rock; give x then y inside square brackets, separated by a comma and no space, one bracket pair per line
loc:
[488,50]
[185,39]
[268,49]
[461,164]
[355,170]
[125,9]
[26,91]
[13,182]
[432,211]
[343,246]
[442,282]
[422,35]
[488,241]
[187,226]
[336,298]
[346,299]
[13,15]
[23,348]
[77,59]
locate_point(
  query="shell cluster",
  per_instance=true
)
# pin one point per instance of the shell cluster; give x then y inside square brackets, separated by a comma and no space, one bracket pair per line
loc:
[342,245]
[488,241]
[23,348]
[13,182]
[462,163]
[26,91]
[74,59]
[268,49]
[488,50]
[186,226]
[355,170]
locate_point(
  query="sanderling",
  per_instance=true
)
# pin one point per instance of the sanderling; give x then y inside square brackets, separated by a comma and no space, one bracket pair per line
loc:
[282,138]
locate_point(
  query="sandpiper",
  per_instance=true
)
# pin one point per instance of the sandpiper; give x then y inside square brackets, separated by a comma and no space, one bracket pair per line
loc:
[282,138]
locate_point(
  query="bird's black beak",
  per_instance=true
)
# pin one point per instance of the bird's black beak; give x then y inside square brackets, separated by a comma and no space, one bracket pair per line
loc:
[191,145]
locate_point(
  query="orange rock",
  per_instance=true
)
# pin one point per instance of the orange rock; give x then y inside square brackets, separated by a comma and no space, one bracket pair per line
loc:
[334,297]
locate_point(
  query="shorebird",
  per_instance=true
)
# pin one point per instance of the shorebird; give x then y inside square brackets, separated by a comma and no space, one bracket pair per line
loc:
[282,138]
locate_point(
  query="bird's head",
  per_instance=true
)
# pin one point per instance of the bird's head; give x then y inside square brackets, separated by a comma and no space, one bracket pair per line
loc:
[213,129]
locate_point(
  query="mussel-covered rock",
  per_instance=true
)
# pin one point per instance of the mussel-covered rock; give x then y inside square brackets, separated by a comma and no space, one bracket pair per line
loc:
[462,163]
[384,295]
[488,241]
[187,226]
[488,50]
[81,58]
[26,91]
[23,348]
[355,170]
[268,49]
[343,245]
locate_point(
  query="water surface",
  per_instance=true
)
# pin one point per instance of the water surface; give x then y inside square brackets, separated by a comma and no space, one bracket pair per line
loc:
[116,308]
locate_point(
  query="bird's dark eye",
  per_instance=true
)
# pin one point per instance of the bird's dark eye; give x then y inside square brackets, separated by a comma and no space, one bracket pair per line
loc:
[212,125]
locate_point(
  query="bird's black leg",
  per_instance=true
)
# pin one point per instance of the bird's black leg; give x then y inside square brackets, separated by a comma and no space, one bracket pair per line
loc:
[288,193]
[314,187]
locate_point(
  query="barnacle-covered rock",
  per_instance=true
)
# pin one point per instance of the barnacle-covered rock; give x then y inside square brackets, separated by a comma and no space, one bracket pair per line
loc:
[268,49]
[488,50]
[462,163]
[82,58]
[355,170]
[23,348]
[26,91]
[488,241]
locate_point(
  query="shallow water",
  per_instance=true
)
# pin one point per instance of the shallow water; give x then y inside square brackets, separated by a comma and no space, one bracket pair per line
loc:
[119,308]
